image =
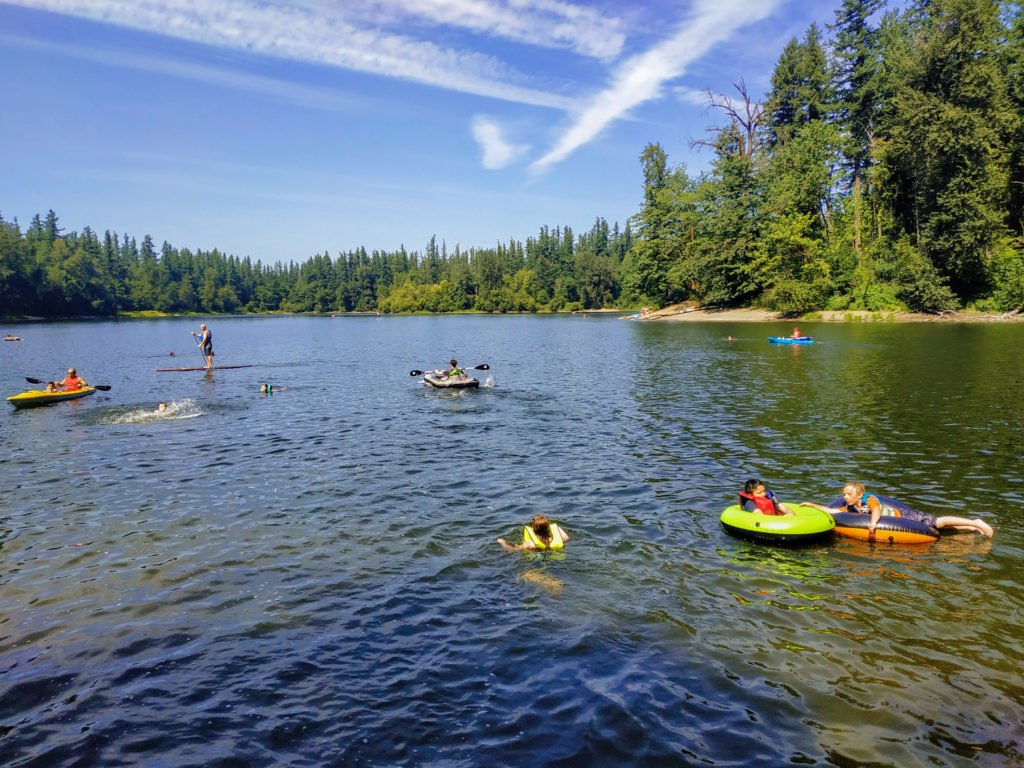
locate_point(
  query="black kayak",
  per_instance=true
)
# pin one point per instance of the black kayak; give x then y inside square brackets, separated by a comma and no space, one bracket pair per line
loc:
[441,381]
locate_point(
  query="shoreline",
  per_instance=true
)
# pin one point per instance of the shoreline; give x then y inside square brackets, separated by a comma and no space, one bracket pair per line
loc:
[673,313]
[684,313]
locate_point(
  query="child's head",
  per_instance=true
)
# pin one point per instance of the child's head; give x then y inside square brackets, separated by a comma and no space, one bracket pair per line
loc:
[51,386]
[755,487]
[542,528]
[454,362]
[162,407]
[852,492]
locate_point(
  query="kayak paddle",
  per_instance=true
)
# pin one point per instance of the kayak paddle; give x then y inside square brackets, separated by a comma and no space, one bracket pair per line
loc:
[100,387]
[481,367]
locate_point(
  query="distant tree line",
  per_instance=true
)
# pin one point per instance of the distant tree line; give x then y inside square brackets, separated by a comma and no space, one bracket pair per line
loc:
[884,169]
[45,272]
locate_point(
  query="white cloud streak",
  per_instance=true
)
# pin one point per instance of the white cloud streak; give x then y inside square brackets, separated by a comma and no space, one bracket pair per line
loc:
[311,32]
[497,153]
[546,23]
[640,78]
[691,96]
[354,35]
[324,99]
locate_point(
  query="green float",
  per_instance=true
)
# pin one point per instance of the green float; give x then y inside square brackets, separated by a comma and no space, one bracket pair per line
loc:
[806,526]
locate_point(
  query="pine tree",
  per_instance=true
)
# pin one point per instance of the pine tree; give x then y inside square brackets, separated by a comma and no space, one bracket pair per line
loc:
[856,75]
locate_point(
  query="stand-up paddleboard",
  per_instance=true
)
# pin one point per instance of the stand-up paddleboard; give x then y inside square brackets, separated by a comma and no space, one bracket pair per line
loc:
[204,368]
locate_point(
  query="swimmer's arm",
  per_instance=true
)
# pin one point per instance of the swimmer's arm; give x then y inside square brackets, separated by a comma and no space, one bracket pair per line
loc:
[517,548]
[822,507]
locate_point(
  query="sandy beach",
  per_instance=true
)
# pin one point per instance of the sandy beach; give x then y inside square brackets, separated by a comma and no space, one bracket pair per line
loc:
[689,313]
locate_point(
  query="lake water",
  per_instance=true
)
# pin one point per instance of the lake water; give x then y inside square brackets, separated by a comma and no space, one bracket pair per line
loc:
[312,578]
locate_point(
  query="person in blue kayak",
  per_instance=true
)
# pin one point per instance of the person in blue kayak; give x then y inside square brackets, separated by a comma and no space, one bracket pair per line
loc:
[857,500]
[205,343]
[755,497]
[796,332]
[539,534]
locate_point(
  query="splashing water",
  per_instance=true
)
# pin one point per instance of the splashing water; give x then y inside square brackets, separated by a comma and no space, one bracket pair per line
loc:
[177,409]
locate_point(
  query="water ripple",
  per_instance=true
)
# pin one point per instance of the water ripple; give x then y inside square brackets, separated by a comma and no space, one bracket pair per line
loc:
[311,578]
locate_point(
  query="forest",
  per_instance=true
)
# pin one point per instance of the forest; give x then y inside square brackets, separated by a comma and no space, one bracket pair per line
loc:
[882,170]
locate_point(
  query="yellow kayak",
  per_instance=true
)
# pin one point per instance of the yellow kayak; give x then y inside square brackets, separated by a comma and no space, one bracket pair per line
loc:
[42,397]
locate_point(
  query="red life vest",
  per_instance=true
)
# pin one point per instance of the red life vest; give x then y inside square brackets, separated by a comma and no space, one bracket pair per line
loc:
[71,383]
[764,504]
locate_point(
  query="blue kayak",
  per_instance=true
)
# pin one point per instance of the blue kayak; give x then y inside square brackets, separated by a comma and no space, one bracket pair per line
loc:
[790,340]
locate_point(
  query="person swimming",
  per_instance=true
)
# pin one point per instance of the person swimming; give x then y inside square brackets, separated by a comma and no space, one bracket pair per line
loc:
[540,533]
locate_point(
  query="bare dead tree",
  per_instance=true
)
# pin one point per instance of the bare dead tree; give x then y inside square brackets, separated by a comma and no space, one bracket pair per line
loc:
[740,137]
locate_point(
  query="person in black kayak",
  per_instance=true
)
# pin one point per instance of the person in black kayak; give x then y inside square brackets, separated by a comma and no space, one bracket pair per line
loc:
[455,372]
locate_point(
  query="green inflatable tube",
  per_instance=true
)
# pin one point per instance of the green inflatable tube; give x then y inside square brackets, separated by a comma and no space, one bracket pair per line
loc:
[807,525]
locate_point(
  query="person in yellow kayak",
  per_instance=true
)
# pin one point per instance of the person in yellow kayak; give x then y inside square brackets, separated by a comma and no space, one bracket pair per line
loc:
[539,534]
[51,386]
[72,381]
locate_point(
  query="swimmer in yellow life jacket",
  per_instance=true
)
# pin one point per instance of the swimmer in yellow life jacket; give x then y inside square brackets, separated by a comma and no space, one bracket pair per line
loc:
[539,534]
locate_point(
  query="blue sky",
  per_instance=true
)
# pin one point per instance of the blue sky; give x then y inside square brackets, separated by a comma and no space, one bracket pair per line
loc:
[278,129]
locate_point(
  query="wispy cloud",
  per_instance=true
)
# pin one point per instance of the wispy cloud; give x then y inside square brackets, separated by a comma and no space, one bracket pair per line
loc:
[546,23]
[691,96]
[640,78]
[284,91]
[498,153]
[313,32]
[396,39]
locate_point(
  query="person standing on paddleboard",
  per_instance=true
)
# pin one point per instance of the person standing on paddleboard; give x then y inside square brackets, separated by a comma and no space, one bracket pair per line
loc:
[205,343]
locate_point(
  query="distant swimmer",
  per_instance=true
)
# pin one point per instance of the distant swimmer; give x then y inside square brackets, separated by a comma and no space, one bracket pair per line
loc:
[9,337]
[161,408]
[205,343]
[539,534]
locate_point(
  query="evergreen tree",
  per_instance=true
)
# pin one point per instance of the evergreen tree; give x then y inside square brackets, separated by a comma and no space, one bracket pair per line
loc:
[801,88]
[950,128]
[857,90]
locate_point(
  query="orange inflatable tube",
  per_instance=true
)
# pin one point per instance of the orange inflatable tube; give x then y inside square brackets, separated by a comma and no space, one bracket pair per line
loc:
[895,530]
